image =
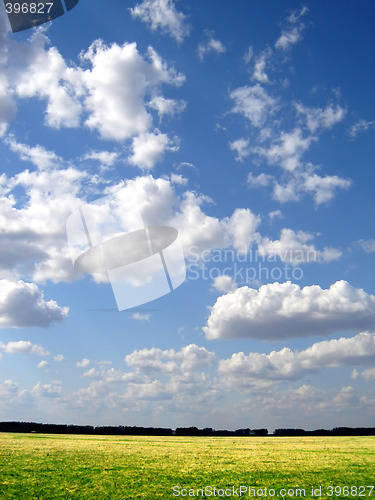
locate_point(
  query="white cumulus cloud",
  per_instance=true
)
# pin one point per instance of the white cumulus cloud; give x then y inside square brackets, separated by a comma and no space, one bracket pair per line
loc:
[53,390]
[287,364]
[59,358]
[32,222]
[287,150]
[23,346]
[110,90]
[284,310]
[323,188]
[188,359]
[224,283]
[368,375]
[116,103]
[83,363]
[149,148]
[23,304]
[321,118]
[241,148]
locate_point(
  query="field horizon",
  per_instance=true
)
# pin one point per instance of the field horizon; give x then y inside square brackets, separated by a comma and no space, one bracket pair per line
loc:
[51,428]
[47,466]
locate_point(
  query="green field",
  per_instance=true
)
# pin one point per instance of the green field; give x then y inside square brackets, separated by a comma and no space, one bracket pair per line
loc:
[38,466]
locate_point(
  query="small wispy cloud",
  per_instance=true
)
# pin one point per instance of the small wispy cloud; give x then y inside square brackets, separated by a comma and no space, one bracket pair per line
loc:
[293,32]
[360,126]
[241,148]
[83,363]
[254,103]
[105,158]
[162,15]
[224,283]
[141,317]
[59,358]
[211,45]
[367,245]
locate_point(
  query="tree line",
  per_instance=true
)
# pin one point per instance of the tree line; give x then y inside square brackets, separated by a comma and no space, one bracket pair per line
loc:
[28,427]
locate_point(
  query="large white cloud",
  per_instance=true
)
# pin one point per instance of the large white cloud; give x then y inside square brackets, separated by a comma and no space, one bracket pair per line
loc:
[287,364]
[111,90]
[116,103]
[163,15]
[23,304]
[201,233]
[33,226]
[284,310]
[32,222]
[160,204]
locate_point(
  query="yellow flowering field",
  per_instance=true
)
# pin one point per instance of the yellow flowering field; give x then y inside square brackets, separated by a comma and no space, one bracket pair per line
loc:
[39,466]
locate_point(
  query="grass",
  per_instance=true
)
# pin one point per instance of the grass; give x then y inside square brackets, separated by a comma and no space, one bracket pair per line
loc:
[38,466]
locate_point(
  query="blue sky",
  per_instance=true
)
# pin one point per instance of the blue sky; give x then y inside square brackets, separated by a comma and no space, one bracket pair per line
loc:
[248,127]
